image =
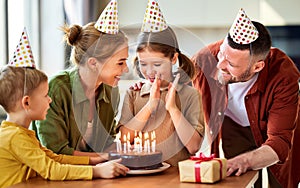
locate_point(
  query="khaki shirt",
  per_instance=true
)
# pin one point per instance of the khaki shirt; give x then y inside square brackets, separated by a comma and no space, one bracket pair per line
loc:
[188,100]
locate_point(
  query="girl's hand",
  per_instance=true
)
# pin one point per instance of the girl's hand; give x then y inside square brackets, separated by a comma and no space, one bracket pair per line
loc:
[154,94]
[170,97]
[109,169]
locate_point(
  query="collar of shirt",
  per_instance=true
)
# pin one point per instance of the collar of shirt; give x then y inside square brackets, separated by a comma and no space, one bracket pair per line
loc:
[6,124]
[78,91]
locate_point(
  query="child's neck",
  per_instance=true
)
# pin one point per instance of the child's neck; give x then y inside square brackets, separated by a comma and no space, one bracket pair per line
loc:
[18,119]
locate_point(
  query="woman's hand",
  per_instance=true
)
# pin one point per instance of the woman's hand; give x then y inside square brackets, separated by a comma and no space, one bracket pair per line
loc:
[109,169]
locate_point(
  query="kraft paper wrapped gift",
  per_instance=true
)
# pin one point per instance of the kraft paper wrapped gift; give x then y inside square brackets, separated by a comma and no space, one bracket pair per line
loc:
[205,170]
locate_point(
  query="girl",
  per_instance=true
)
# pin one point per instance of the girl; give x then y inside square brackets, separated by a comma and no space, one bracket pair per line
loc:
[173,111]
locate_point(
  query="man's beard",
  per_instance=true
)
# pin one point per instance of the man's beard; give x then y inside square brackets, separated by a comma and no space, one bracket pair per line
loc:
[244,77]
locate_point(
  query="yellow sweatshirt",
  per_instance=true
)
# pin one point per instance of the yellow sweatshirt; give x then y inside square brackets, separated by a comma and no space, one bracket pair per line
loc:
[23,157]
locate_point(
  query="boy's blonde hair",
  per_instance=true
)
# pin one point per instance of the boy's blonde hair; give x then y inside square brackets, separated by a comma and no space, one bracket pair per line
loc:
[13,85]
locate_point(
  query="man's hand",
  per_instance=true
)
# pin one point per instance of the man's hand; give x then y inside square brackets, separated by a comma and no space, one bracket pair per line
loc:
[238,164]
[259,158]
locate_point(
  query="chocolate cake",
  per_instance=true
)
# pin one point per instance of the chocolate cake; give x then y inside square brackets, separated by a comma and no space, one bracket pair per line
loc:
[138,160]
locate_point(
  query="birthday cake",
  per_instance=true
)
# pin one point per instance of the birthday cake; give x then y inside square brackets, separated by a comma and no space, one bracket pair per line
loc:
[138,160]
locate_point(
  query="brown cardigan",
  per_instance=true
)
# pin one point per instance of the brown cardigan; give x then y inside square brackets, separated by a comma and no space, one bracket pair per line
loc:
[272,105]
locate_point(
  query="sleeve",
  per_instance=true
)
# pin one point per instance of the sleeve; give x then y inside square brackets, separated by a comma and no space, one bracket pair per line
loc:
[66,159]
[127,109]
[194,111]
[282,116]
[54,131]
[30,154]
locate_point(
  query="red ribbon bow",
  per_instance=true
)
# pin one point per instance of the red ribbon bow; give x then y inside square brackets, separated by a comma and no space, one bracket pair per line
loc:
[202,157]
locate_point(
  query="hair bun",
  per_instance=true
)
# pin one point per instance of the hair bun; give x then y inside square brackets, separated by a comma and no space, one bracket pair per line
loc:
[73,34]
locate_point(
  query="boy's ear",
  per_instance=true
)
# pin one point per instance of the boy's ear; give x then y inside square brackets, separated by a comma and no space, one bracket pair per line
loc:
[25,102]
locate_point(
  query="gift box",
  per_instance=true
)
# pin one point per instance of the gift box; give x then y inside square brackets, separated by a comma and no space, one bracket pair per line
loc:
[202,169]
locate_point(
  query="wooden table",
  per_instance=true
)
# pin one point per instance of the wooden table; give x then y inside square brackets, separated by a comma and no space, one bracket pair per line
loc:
[167,178]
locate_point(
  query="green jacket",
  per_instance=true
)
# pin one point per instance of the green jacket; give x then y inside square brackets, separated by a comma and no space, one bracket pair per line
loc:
[67,117]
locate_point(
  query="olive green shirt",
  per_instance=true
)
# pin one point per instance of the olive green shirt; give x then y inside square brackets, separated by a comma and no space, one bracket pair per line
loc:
[67,117]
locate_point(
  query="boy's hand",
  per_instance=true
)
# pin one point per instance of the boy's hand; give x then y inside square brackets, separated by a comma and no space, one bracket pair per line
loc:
[109,169]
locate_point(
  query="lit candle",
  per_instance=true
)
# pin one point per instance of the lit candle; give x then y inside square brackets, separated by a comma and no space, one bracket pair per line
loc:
[128,146]
[146,141]
[140,145]
[124,143]
[118,142]
[153,141]
[128,142]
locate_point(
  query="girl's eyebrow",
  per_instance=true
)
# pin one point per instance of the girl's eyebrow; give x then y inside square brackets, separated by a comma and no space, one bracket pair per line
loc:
[123,59]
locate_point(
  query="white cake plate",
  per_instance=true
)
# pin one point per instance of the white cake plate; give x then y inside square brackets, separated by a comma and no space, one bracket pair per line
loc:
[160,169]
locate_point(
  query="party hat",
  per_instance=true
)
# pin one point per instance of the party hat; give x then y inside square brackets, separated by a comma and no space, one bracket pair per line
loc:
[23,55]
[108,20]
[242,30]
[153,18]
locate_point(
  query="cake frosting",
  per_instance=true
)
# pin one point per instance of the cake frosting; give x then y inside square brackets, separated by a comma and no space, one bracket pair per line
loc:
[138,160]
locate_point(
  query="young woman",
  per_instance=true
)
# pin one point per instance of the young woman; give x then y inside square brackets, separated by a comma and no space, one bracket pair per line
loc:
[81,118]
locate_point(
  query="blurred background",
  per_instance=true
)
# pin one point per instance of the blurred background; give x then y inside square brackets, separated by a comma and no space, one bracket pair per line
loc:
[196,23]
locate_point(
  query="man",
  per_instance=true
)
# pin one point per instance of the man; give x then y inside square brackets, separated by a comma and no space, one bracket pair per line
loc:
[250,93]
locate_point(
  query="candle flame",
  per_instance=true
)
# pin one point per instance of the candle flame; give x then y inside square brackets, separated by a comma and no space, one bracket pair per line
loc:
[128,136]
[124,138]
[146,135]
[153,136]
[118,136]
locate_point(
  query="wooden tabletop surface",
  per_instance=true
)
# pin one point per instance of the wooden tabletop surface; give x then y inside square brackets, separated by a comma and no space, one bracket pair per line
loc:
[167,178]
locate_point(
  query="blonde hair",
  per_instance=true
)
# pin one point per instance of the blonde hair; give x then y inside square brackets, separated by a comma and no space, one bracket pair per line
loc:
[88,42]
[13,85]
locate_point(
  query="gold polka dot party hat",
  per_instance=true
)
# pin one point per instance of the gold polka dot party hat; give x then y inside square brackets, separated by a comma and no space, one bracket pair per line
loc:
[23,55]
[108,20]
[242,30]
[153,18]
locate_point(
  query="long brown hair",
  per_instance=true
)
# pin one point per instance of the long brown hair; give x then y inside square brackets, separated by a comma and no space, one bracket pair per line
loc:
[165,42]
[87,42]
